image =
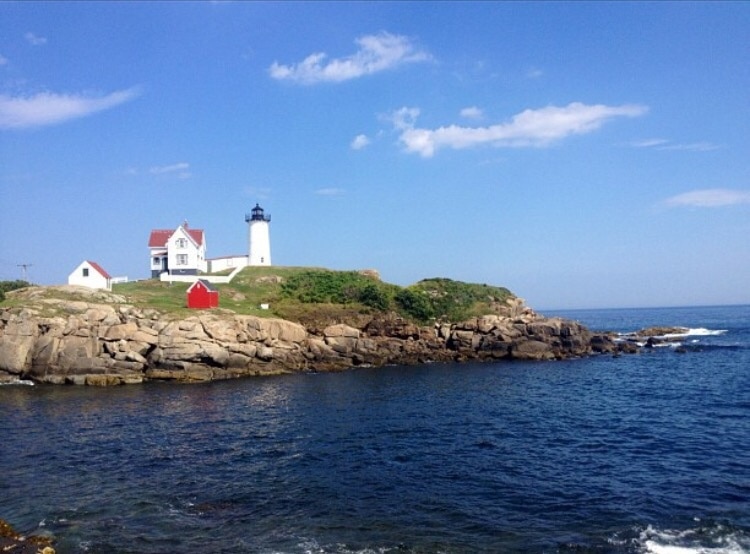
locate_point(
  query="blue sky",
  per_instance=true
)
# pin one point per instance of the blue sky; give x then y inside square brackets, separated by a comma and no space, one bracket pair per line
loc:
[584,154]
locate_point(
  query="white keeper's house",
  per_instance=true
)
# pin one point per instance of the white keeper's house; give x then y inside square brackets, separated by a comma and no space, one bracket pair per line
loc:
[180,251]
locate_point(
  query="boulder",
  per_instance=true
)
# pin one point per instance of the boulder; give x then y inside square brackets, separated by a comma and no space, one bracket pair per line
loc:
[77,352]
[121,331]
[283,330]
[17,342]
[223,330]
[340,330]
[98,313]
[531,350]
[602,344]
[15,352]
[264,353]
[145,336]
[102,380]
[342,344]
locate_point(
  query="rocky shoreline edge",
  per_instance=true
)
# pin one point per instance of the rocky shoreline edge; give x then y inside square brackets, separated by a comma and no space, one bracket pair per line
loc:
[17,543]
[103,344]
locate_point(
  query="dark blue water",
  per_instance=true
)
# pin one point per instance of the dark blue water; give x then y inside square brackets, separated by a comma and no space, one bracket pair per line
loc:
[639,453]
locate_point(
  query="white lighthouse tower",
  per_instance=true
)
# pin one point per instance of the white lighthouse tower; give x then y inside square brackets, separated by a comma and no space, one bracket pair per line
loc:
[258,238]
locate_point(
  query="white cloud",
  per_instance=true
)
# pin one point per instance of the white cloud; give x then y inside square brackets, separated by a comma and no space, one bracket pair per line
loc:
[663,144]
[359,142]
[404,118]
[34,40]
[692,146]
[330,192]
[534,73]
[532,128]
[649,143]
[180,170]
[472,112]
[48,108]
[258,193]
[710,198]
[376,53]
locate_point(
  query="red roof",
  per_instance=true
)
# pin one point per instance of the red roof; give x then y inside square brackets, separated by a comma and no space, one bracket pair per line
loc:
[202,283]
[159,237]
[99,268]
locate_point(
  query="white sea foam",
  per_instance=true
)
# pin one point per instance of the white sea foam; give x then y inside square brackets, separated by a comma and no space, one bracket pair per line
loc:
[25,382]
[714,540]
[688,332]
[697,332]
[312,546]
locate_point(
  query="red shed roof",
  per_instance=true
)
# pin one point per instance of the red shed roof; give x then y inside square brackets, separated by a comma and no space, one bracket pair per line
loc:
[99,268]
[159,237]
[205,284]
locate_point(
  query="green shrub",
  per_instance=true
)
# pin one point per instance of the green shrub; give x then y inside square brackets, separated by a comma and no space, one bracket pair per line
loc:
[336,287]
[374,297]
[455,300]
[6,286]
[415,304]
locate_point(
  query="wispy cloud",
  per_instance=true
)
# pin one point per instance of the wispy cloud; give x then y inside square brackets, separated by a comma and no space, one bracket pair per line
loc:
[376,53]
[47,108]
[471,112]
[34,40]
[180,170]
[649,143]
[260,193]
[3,60]
[530,128]
[702,146]
[664,144]
[360,142]
[710,198]
[332,191]
[534,73]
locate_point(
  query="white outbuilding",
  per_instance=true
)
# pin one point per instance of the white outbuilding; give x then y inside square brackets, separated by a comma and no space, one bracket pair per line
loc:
[90,274]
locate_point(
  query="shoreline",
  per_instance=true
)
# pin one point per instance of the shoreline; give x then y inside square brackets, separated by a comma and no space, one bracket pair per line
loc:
[100,344]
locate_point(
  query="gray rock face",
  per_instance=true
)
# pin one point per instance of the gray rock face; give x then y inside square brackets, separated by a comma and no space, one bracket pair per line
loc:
[98,345]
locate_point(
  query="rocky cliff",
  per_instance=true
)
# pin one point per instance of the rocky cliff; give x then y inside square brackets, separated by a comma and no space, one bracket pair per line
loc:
[105,341]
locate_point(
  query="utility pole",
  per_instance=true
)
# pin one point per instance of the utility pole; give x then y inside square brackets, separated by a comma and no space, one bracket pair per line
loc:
[25,268]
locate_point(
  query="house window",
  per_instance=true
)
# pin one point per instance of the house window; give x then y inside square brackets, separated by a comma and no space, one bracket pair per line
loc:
[156,261]
[181,243]
[182,259]
[85,271]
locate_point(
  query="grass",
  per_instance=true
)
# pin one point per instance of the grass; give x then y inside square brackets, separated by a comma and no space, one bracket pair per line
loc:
[315,297]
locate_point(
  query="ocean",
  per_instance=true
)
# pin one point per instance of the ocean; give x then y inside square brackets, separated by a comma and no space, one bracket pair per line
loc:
[643,453]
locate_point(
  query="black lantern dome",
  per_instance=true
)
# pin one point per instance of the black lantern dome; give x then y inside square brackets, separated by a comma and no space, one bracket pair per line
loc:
[256,214]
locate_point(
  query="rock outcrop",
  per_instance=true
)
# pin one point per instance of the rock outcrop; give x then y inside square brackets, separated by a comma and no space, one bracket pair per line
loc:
[108,344]
[17,543]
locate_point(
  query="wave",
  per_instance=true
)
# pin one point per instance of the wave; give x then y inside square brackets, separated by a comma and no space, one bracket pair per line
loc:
[698,332]
[25,382]
[711,539]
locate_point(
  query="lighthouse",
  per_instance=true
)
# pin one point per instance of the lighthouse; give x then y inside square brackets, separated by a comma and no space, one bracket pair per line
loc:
[258,238]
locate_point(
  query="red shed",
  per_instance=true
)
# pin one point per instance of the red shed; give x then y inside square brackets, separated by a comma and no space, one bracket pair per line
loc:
[202,294]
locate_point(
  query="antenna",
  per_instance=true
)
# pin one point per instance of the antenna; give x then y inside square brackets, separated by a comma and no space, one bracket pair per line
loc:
[25,268]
